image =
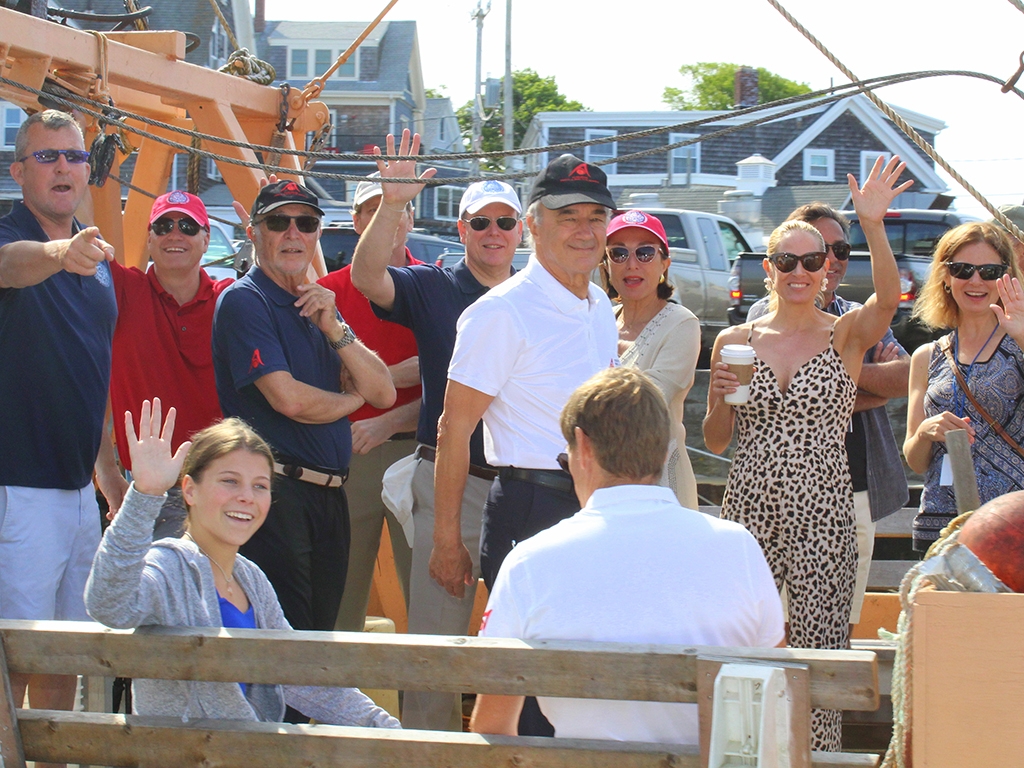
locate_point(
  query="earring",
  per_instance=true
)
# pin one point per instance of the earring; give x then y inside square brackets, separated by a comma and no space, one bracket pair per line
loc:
[824,284]
[769,285]
[663,277]
[946,288]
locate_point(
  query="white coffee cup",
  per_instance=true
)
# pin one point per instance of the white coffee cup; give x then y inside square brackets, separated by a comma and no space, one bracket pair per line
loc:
[740,359]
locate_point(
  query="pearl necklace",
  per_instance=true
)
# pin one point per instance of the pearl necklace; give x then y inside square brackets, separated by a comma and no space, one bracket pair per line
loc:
[229,578]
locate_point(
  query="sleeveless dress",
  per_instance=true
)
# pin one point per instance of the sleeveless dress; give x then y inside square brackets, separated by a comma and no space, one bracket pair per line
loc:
[789,485]
[998,385]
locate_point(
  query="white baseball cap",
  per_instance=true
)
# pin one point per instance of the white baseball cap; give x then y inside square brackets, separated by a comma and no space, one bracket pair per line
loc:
[484,193]
[366,190]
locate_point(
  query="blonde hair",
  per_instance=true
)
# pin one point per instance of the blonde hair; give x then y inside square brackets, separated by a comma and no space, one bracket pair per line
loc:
[785,229]
[937,308]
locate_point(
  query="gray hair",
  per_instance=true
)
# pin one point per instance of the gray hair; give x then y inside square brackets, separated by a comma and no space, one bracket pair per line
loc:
[51,119]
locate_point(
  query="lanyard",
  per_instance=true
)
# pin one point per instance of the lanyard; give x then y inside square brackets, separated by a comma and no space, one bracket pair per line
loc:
[959,398]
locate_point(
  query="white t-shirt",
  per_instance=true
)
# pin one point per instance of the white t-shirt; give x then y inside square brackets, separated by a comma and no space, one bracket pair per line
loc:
[529,343]
[635,567]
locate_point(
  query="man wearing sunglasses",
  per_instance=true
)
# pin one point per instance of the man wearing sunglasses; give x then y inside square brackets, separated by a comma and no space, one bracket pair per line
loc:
[380,437]
[57,311]
[286,362]
[162,339]
[429,300]
[876,469]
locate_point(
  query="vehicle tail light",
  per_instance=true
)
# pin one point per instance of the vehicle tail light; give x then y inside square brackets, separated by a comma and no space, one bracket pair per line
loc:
[908,289]
[735,296]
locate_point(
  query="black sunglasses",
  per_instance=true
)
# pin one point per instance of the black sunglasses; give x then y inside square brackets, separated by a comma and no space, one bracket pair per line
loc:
[840,249]
[163,226]
[277,222]
[620,254]
[563,461]
[47,156]
[961,270]
[786,262]
[480,223]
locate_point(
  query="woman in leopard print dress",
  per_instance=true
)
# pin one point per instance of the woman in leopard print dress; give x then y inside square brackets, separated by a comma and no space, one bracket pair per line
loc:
[790,483]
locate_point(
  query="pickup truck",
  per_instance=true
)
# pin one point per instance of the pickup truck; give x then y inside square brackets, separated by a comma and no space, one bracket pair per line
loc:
[912,234]
[701,246]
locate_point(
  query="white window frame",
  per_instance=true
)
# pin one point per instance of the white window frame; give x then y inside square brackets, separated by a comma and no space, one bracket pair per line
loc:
[604,150]
[830,164]
[212,171]
[219,46]
[867,161]
[679,153]
[452,203]
[291,70]
[353,60]
[10,109]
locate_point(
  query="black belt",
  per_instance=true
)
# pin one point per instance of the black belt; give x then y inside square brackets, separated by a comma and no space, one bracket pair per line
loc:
[484,473]
[403,436]
[555,479]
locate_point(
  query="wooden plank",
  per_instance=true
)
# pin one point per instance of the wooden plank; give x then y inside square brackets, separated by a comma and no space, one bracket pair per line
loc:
[12,754]
[152,170]
[888,574]
[897,525]
[839,679]
[117,740]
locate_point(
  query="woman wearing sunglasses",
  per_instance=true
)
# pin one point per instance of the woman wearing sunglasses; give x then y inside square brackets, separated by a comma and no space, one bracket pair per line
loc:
[658,337]
[789,483]
[974,289]
[201,580]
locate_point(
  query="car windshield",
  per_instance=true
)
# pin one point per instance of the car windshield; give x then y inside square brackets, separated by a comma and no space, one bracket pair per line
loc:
[220,247]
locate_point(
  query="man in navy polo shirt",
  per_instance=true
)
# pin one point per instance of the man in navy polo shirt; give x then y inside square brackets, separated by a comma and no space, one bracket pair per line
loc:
[429,300]
[286,363]
[57,316]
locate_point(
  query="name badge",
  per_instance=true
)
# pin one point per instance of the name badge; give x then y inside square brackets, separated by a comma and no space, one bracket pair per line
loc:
[946,472]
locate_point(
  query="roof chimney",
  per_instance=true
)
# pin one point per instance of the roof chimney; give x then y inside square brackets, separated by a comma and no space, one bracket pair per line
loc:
[260,23]
[747,93]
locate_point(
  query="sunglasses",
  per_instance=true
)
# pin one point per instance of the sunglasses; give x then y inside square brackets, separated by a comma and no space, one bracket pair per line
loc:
[47,156]
[164,226]
[620,254]
[277,222]
[963,271]
[840,249]
[786,262]
[480,223]
[563,461]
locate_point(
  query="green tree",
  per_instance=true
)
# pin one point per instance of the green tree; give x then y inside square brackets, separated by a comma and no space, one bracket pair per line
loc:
[712,87]
[531,94]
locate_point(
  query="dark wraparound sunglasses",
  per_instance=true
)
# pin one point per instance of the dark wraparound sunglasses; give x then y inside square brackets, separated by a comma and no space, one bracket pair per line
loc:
[480,223]
[47,156]
[277,222]
[840,249]
[163,226]
[620,254]
[963,271]
[786,262]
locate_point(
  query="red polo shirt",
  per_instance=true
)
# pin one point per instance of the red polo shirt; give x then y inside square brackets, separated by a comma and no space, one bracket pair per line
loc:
[163,350]
[394,343]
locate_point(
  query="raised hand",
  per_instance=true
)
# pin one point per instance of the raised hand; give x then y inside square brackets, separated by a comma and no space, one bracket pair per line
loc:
[1011,313]
[241,210]
[397,195]
[873,199]
[85,251]
[154,469]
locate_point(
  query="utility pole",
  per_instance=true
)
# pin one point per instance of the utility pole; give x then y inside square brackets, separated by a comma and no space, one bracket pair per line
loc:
[509,143]
[478,107]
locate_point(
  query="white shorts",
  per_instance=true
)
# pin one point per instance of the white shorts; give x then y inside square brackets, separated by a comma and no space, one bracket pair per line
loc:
[48,538]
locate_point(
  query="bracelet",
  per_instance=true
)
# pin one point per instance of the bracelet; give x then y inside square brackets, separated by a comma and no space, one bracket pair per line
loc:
[346,338]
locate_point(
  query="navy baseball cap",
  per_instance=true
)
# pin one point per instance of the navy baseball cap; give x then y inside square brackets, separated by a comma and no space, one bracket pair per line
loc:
[568,181]
[282,193]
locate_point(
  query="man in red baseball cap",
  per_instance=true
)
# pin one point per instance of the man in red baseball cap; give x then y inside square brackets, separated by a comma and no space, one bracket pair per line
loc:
[162,339]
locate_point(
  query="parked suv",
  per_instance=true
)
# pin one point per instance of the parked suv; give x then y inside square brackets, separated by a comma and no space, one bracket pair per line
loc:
[339,243]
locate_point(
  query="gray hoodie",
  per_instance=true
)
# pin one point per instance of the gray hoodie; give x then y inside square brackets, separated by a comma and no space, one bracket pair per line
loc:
[136,582]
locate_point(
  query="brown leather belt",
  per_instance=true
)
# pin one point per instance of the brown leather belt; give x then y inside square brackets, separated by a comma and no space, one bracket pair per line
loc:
[428,453]
[306,475]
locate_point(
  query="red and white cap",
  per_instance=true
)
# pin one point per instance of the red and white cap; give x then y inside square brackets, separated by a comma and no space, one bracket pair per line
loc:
[641,220]
[180,202]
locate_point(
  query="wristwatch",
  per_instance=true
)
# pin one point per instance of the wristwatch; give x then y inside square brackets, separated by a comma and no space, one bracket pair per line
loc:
[346,338]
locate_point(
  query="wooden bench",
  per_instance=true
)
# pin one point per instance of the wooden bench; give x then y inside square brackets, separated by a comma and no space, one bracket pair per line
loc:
[834,679]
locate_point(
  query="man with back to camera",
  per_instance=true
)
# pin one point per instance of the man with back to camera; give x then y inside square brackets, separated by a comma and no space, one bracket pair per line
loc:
[380,437]
[520,352]
[429,300]
[288,364]
[876,468]
[714,585]
[57,316]
[162,342]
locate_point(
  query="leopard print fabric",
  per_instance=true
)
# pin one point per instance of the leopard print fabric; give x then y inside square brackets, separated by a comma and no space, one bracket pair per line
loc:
[790,486]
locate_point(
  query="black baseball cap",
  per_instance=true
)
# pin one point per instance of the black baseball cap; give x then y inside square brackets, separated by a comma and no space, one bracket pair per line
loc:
[568,181]
[281,193]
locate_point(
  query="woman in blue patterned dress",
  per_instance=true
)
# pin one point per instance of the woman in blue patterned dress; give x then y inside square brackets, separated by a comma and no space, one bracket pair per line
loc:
[974,289]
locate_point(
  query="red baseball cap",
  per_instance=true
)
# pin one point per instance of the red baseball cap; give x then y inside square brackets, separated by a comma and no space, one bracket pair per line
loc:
[180,202]
[641,220]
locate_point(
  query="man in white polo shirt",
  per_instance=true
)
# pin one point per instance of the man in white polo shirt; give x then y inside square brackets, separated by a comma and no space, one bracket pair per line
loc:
[520,351]
[713,584]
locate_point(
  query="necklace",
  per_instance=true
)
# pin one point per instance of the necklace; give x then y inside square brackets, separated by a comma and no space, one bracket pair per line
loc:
[229,578]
